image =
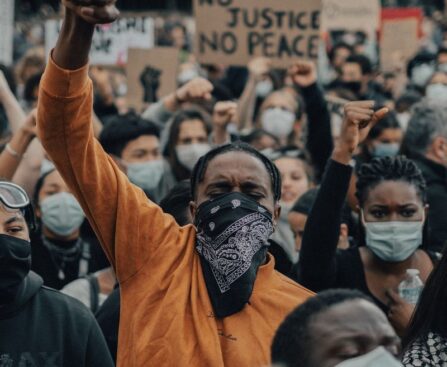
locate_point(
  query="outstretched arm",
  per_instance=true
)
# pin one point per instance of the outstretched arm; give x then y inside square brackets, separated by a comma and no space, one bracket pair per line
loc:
[318,267]
[127,224]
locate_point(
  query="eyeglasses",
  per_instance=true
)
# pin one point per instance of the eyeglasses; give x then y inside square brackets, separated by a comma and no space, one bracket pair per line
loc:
[13,196]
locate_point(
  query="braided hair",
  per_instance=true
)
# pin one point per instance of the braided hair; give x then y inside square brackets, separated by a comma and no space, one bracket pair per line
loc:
[389,169]
[199,170]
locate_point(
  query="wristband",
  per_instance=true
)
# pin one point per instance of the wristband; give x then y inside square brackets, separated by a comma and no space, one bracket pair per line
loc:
[13,152]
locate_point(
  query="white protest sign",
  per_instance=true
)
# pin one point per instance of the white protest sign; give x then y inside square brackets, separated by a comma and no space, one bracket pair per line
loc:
[111,41]
[6,31]
[352,15]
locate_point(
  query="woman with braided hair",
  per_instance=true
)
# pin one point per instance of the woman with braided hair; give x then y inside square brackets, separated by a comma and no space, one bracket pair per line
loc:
[393,212]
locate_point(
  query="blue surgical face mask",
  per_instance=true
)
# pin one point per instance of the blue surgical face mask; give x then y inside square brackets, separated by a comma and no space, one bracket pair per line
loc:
[379,357]
[385,150]
[61,213]
[393,241]
[146,175]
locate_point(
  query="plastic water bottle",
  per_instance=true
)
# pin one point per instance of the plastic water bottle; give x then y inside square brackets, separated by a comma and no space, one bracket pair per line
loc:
[411,287]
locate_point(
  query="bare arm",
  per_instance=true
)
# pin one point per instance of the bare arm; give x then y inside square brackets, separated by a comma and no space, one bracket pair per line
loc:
[258,68]
[12,155]
[14,111]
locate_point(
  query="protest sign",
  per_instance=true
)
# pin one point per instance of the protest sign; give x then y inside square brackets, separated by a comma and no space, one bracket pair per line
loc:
[151,75]
[111,41]
[399,37]
[234,31]
[352,15]
[6,31]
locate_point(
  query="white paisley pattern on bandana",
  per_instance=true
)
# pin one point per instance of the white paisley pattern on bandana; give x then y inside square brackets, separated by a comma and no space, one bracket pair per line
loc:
[230,254]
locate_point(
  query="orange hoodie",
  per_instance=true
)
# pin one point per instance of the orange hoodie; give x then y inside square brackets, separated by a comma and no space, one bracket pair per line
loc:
[166,314]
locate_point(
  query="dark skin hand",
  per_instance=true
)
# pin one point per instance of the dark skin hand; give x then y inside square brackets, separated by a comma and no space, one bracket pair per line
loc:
[75,39]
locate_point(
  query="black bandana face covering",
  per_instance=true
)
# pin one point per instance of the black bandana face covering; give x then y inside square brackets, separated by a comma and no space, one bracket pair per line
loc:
[232,240]
[15,264]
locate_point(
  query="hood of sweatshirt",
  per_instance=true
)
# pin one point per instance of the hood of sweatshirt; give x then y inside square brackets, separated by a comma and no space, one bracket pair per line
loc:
[28,289]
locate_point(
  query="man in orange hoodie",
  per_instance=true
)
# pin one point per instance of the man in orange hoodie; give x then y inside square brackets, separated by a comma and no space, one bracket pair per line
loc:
[203,295]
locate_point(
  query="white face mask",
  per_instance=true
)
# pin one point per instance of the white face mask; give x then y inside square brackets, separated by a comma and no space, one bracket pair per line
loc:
[437,92]
[379,357]
[146,175]
[61,213]
[189,154]
[393,241]
[278,122]
[421,74]
[404,119]
[264,88]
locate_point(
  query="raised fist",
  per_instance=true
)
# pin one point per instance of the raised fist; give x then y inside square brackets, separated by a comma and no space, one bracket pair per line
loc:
[93,11]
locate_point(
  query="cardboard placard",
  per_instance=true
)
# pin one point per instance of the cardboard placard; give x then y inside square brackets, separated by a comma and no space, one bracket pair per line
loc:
[6,31]
[352,15]
[232,32]
[399,42]
[111,41]
[151,75]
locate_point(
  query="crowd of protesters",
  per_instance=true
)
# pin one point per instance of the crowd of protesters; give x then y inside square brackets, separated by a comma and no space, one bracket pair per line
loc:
[253,216]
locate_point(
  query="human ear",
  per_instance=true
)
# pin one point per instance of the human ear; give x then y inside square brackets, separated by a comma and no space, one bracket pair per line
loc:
[193,209]
[276,214]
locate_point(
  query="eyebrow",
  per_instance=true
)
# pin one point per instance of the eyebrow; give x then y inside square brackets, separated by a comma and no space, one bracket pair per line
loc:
[247,185]
[15,219]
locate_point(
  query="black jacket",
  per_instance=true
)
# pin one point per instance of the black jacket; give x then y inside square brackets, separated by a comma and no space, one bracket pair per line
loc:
[43,327]
[436,177]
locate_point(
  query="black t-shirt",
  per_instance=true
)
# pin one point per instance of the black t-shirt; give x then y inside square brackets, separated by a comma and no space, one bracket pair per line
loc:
[46,328]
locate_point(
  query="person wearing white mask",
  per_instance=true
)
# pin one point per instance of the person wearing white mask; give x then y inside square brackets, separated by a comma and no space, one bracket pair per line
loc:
[134,144]
[436,89]
[296,179]
[60,253]
[336,328]
[188,141]
[393,210]
[278,115]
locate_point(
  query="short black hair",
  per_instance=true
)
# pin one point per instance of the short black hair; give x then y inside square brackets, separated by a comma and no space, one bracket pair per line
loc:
[363,61]
[291,344]
[337,46]
[176,202]
[388,122]
[442,50]
[122,129]
[256,135]
[31,84]
[389,169]
[199,170]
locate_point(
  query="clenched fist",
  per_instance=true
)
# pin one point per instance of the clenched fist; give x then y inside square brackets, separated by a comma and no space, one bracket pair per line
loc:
[93,11]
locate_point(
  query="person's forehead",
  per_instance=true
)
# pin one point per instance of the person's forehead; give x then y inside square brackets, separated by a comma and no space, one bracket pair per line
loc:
[192,127]
[144,141]
[289,163]
[352,318]
[54,178]
[7,213]
[237,167]
[392,192]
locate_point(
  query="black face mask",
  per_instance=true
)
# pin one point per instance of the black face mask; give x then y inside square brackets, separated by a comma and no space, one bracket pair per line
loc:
[15,264]
[232,240]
